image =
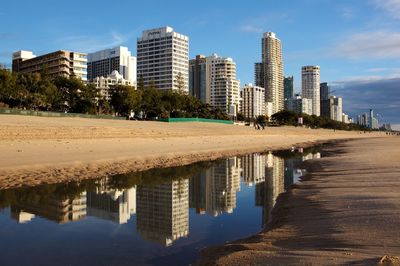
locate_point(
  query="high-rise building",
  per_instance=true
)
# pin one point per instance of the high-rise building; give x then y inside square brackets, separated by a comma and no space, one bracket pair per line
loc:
[337,109]
[311,86]
[299,105]
[273,71]
[222,84]
[253,104]
[324,91]
[373,122]
[59,63]
[259,74]
[197,78]
[288,87]
[163,59]
[162,211]
[104,62]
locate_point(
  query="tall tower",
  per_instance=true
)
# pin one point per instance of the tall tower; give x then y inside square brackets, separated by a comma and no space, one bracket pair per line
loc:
[273,71]
[162,57]
[288,87]
[310,87]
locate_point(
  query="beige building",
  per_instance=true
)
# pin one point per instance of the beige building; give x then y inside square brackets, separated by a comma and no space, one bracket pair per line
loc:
[59,63]
[222,85]
[272,71]
[253,104]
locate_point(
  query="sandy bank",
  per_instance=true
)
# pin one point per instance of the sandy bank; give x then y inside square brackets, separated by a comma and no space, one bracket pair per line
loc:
[345,212]
[38,150]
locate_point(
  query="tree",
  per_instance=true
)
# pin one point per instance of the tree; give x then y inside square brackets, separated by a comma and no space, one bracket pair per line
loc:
[180,83]
[125,99]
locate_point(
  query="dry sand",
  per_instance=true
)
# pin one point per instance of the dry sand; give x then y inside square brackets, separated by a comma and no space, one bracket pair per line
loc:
[38,150]
[346,212]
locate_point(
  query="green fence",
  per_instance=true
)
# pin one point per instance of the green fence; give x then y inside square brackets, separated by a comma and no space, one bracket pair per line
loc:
[178,120]
[55,114]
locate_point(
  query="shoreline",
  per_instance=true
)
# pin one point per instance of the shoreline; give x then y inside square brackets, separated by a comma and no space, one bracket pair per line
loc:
[40,150]
[338,214]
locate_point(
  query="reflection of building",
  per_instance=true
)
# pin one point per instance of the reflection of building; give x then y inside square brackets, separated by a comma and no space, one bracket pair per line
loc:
[268,191]
[163,211]
[197,192]
[113,205]
[52,208]
[223,181]
[253,168]
[21,216]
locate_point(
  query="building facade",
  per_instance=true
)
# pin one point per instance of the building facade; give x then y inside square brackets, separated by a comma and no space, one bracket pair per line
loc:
[253,104]
[273,71]
[299,105]
[104,62]
[288,87]
[197,78]
[104,84]
[310,86]
[59,63]
[222,85]
[259,74]
[163,59]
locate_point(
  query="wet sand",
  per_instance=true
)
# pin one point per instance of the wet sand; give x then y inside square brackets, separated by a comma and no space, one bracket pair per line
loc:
[37,150]
[346,211]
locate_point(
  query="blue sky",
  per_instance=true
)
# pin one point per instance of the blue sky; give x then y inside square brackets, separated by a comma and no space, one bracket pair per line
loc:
[356,42]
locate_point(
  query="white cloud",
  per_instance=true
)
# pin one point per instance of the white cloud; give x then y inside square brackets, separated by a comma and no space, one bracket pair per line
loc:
[86,43]
[390,6]
[250,28]
[369,45]
[346,12]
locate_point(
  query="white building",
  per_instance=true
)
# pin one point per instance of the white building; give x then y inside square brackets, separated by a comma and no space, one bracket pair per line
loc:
[337,108]
[221,83]
[272,66]
[162,55]
[311,86]
[104,62]
[299,105]
[105,83]
[253,104]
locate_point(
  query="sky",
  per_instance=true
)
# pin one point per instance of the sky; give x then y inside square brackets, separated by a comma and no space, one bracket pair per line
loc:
[355,42]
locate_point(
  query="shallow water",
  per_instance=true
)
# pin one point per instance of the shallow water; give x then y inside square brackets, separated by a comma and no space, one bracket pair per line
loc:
[157,217]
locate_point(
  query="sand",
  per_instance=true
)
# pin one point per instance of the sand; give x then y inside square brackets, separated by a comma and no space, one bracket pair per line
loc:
[37,150]
[346,211]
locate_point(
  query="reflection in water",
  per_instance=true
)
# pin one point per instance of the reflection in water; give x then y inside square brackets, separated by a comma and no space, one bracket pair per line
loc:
[111,204]
[160,198]
[163,211]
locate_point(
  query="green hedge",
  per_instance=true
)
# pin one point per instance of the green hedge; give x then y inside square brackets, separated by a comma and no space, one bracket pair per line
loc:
[54,114]
[178,120]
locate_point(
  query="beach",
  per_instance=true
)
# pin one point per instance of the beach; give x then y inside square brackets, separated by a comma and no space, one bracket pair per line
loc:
[36,150]
[345,212]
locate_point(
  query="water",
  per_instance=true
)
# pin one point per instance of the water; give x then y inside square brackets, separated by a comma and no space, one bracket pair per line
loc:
[156,217]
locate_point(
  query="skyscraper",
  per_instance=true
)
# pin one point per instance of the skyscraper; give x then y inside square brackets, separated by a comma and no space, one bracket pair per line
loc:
[324,91]
[288,87]
[311,86]
[197,78]
[163,57]
[273,71]
[221,83]
[104,62]
[259,74]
